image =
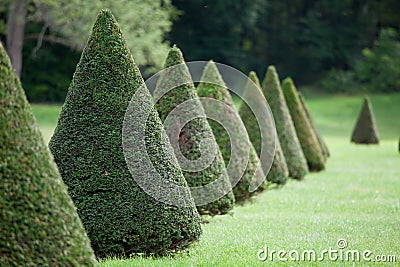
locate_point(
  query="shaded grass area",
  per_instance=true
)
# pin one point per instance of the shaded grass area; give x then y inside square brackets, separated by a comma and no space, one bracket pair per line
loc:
[357,198]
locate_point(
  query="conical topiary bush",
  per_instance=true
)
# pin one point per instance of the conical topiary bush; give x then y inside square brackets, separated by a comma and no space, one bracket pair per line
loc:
[321,141]
[213,86]
[295,159]
[308,140]
[279,172]
[194,132]
[120,218]
[365,131]
[39,225]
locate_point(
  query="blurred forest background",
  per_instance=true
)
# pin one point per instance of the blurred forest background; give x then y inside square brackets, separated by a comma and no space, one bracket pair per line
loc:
[346,46]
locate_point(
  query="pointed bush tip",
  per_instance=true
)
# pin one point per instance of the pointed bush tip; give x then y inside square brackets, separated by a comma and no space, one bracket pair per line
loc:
[174,57]
[253,76]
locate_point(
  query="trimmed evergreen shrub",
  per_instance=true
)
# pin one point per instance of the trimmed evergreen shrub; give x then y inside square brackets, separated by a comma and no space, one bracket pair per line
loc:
[365,131]
[279,172]
[39,225]
[321,141]
[194,132]
[215,88]
[295,159]
[120,218]
[308,140]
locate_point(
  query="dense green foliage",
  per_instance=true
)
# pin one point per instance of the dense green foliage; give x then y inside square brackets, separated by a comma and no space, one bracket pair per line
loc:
[324,34]
[365,130]
[54,33]
[375,71]
[291,148]
[39,223]
[279,171]
[215,29]
[43,78]
[194,132]
[379,70]
[213,86]
[328,36]
[120,218]
[321,141]
[307,137]
[68,22]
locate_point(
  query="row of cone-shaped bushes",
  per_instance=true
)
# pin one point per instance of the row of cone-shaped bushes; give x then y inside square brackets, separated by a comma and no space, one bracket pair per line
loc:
[40,225]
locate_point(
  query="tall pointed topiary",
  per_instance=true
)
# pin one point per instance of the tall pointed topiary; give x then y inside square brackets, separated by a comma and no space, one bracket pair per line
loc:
[120,218]
[365,131]
[321,141]
[295,159]
[194,132]
[279,172]
[39,225]
[308,140]
[213,86]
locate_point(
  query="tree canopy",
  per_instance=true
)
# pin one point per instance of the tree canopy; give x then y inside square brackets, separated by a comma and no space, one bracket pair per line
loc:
[68,23]
[343,43]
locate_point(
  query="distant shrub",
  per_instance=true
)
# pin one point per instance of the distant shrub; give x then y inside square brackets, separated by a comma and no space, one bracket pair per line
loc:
[365,130]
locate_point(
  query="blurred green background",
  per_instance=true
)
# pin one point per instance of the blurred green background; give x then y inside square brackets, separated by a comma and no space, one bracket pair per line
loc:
[349,46]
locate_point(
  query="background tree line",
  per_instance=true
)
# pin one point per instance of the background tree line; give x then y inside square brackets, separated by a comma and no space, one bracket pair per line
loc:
[332,46]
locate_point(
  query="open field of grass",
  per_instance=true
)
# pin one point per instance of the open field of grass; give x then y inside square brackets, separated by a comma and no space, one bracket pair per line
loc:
[356,199]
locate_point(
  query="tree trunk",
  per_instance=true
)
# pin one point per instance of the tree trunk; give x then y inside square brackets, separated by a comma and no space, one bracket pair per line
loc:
[15,33]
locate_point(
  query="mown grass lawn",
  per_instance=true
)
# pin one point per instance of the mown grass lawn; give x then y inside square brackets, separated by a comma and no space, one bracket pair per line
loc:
[356,199]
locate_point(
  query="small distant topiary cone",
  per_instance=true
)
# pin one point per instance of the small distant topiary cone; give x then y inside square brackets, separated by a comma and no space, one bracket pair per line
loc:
[307,137]
[39,225]
[365,131]
[215,88]
[321,141]
[279,172]
[120,218]
[295,159]
[194,132]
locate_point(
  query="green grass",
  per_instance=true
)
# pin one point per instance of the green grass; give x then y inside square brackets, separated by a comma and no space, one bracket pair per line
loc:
[357,198]
[47,116]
